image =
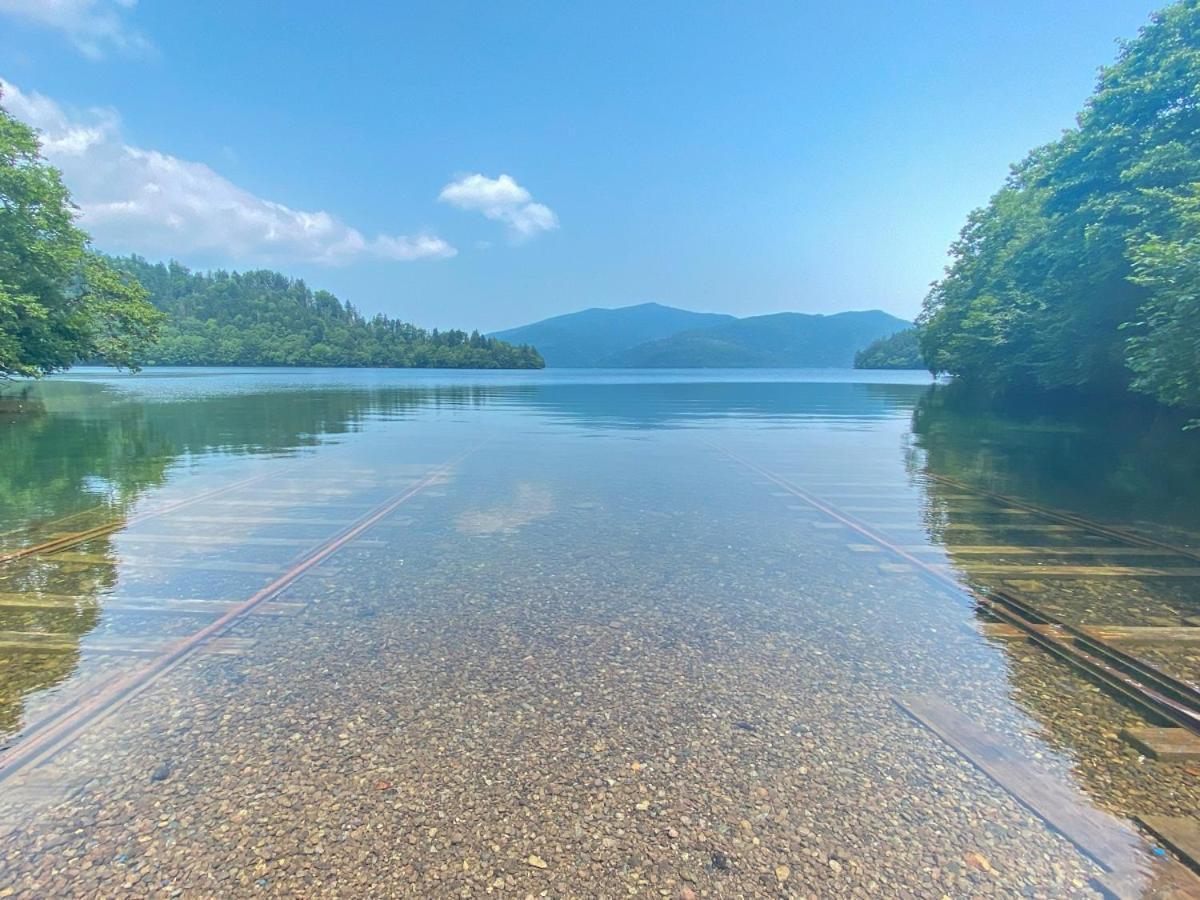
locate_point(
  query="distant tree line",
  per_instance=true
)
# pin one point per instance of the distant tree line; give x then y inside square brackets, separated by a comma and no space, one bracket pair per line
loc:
[263,318]
[1083,272]
[901,350]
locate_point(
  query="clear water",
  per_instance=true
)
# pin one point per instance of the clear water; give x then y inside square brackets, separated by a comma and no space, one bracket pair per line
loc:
[294,632]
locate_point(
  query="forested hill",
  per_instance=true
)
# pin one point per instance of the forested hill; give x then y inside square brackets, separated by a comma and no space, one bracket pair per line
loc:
[263,318]
[901,350]
[1083,272]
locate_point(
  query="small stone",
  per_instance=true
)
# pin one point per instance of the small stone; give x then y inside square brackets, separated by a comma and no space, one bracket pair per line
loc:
[536,861]
[980,862]
[782,873]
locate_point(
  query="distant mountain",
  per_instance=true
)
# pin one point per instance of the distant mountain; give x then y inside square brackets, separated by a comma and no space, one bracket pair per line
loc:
[780,340]
[594,337]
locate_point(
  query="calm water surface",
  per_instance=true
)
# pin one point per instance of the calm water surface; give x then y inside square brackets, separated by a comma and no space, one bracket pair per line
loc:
[304,633]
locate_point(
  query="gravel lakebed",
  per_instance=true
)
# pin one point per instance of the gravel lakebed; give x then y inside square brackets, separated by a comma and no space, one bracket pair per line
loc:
[563,676]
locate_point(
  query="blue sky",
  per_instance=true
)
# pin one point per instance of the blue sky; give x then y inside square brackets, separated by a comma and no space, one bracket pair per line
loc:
[735,157]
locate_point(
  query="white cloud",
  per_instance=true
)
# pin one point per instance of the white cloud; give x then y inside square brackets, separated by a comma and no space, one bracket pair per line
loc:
[93,26]
[501,199]
[158,204]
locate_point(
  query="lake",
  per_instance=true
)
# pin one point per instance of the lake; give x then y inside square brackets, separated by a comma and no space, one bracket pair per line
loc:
[590,633]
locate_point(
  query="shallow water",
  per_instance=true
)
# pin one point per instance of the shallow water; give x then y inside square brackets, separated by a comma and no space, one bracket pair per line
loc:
[575,633]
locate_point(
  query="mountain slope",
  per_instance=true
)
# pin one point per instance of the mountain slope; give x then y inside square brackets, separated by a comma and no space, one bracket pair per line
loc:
[782,340]
[593,337]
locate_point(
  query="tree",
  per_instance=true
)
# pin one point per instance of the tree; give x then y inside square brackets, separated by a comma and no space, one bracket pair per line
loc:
[1075,275]
[60,304]
[1164,351]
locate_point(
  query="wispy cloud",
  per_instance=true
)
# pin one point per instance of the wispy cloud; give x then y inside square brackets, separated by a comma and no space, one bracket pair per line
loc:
[151,202]
[95,27]
[503,200]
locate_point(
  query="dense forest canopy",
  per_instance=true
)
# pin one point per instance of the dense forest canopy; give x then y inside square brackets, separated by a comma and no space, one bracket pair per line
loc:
[263,318]
[59,302]
[1084,270]
[901,350]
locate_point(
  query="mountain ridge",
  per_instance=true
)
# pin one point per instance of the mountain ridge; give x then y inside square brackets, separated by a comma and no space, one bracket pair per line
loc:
[651,335]
[587,338]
